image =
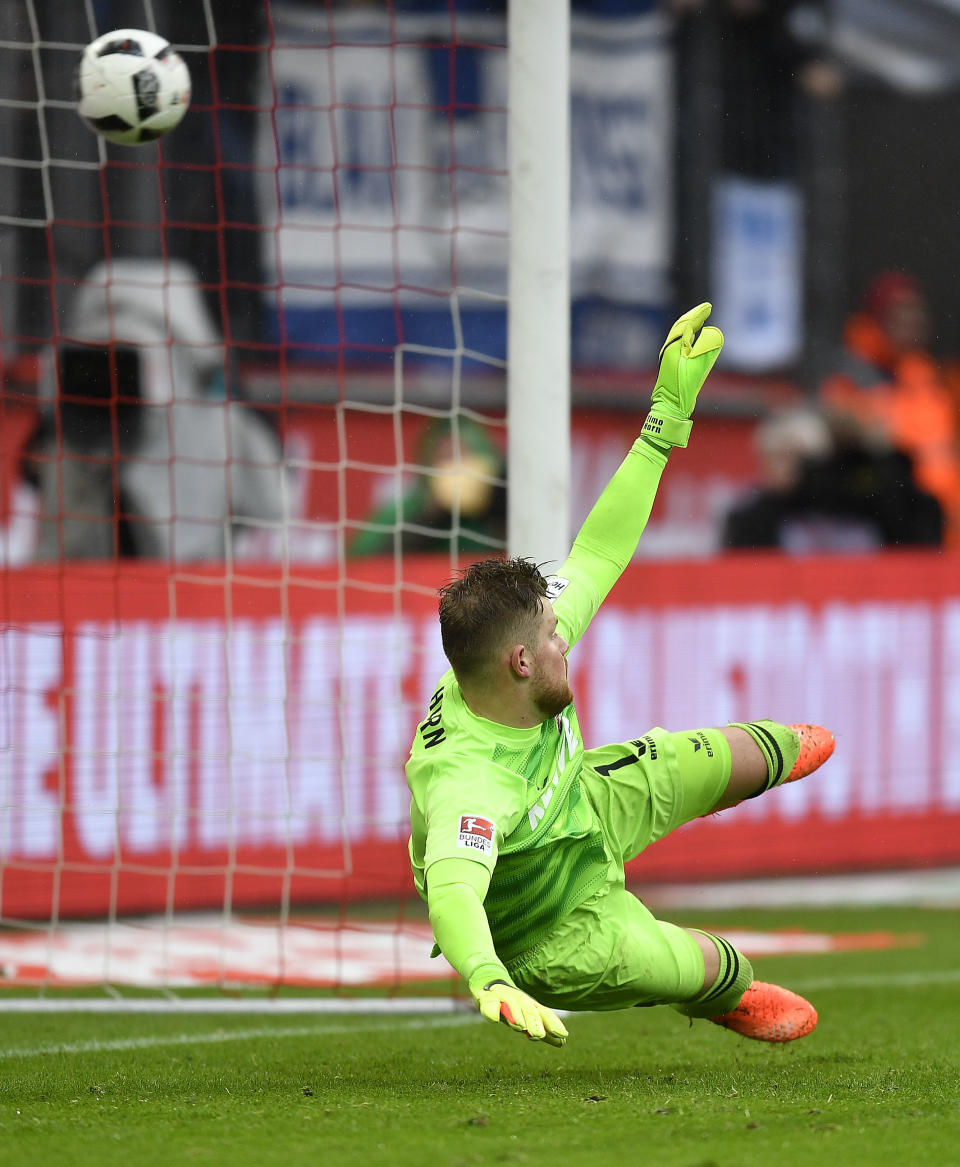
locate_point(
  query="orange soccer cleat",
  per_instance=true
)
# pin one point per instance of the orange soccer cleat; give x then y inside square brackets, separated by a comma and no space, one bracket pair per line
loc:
[770,1013]
[816,745]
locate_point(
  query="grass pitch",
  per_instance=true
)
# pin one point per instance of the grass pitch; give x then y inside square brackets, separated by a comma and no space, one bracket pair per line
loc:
[877,1083]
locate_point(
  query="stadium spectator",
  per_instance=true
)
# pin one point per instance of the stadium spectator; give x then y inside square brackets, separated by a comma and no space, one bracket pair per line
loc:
[829,487]
[887,381]
[519,836]
[138,453]
[457,503]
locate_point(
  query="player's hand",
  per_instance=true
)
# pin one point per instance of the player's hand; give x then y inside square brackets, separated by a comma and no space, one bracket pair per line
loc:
[685,361]
[498,1001]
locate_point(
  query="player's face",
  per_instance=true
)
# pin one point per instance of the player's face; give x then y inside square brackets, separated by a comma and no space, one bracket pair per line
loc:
[550,686]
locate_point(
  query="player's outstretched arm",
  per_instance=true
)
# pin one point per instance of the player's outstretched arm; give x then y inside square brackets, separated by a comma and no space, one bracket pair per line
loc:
[455,891]
[610,534]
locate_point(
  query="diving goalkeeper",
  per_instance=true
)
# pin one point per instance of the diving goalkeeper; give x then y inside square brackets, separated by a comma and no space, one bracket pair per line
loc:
[519,835]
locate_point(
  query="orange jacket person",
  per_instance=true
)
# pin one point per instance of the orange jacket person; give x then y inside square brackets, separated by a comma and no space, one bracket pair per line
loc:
[893,387]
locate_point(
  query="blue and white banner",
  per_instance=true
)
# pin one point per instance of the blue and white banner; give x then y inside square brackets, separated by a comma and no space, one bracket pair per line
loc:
[384,187]
[758,272]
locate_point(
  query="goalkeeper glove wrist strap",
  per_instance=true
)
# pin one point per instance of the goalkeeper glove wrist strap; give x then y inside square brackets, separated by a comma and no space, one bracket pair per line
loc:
[485,975]
[666,429]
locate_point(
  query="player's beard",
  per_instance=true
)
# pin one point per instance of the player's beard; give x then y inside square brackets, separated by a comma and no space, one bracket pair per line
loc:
[552,698]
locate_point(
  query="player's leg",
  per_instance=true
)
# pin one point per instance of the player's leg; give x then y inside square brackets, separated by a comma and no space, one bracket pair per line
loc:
[731,998]
[762,755]
[646,788]
[612,953]
[765,754]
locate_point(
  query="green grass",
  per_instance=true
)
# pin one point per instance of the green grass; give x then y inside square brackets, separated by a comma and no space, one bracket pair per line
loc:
[877,1083]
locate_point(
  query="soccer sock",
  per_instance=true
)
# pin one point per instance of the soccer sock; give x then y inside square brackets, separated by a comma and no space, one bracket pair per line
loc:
[779,745]
[735,977]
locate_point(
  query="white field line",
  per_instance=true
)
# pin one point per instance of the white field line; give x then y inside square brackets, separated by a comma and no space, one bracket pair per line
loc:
[180,1039]
[246,1005]
[928,887]
[446,1011]
[902,980]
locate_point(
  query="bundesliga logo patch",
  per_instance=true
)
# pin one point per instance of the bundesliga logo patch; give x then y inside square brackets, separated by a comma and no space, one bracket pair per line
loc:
[476,834]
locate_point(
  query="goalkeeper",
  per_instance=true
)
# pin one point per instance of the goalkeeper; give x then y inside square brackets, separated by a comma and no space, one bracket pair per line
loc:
[519,836]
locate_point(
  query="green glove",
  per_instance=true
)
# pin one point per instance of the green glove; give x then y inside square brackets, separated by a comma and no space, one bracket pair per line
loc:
[684,365]
[501,1001]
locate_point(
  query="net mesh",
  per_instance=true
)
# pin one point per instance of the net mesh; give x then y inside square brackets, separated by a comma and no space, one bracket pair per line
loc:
[253,384]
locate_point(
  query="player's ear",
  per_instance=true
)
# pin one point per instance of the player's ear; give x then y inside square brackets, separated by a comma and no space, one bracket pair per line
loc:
[520,660]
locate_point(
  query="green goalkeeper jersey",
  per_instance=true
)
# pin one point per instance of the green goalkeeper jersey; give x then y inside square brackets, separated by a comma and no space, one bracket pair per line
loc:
[509,798]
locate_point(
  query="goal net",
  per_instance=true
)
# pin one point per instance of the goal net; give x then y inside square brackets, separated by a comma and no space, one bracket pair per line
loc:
[253,416]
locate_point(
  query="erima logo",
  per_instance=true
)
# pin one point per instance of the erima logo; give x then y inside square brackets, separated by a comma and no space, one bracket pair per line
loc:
[702,739]
[476,833]
[568,743]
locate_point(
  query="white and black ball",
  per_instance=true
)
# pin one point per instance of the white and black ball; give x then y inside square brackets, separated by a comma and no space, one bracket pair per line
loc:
[132,87]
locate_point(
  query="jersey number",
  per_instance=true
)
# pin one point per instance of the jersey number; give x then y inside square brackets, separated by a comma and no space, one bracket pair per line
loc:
[605,771]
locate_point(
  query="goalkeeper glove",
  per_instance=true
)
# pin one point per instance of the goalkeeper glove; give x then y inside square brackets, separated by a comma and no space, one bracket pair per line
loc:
[501,1001]
[684,365]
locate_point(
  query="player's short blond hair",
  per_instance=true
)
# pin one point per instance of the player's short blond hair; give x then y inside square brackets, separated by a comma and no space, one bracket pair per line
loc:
[488,603]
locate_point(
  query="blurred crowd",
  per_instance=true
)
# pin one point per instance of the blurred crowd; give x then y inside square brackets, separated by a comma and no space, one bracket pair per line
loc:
[873,460]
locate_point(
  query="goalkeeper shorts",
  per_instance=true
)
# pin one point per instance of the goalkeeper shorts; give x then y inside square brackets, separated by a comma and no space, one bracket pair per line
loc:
[611,952]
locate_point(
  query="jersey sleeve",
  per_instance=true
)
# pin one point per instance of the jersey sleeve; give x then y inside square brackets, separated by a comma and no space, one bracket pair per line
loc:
[607,540]
[460,928]
[468,812]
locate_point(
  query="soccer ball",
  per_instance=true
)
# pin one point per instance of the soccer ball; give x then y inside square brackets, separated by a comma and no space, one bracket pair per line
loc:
[132,87]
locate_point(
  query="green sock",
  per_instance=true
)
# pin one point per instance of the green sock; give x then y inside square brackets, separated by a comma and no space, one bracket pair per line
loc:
[780,747]
[735,977]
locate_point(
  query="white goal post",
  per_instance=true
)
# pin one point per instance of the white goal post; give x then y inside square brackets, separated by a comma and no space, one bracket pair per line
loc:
[538,369]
